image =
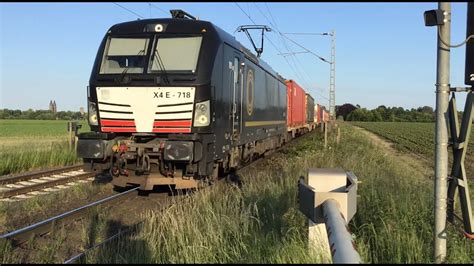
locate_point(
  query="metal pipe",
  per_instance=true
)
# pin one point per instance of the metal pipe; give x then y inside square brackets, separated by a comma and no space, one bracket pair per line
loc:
[340,240]
[441,143]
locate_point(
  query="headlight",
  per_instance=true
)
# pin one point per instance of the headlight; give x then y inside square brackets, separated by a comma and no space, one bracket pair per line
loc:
[93,121]
[202,114]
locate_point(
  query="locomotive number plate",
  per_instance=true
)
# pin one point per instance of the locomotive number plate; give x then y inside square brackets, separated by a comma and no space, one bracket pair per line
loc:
[174,93]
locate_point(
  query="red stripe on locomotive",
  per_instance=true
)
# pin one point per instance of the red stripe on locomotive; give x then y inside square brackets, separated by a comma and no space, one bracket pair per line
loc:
[171,130]
[120,123]
[119,129]
[183,123]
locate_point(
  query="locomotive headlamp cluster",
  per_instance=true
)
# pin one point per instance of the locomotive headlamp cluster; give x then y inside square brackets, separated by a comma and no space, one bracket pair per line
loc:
[202,114]
[155,27]
[202,107]
[93,121]
[158,28]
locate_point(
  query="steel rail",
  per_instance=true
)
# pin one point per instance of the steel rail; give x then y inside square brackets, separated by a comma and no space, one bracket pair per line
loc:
[21,235]
[43,185]
[135,226]
[37,174]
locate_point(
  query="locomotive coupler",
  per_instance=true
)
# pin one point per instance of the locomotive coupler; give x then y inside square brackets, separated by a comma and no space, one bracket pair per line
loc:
[143,163]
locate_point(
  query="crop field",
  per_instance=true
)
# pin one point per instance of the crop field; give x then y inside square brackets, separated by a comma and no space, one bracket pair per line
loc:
[418,138]
[34,144]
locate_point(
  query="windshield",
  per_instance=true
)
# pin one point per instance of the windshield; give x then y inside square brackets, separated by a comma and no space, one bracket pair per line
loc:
[125,54]
[176,54]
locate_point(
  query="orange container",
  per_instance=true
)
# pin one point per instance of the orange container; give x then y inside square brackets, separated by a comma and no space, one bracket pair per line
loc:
[296,109]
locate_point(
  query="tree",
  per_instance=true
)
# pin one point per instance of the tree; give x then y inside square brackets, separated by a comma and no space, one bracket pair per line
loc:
[345,110]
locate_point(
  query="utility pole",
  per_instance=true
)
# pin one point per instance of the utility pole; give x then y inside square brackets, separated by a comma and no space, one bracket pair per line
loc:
[332,81]
[332,63]
[441,144]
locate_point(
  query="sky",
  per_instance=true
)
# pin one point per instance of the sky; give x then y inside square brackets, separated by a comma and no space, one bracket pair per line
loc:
[384,53]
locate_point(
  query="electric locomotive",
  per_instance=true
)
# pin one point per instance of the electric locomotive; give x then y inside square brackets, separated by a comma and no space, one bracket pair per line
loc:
[178,101]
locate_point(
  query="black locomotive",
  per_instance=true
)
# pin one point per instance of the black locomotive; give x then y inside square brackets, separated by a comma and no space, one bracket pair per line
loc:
[178,100]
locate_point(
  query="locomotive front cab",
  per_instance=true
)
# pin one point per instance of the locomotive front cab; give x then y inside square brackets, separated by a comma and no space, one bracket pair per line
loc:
[150,106]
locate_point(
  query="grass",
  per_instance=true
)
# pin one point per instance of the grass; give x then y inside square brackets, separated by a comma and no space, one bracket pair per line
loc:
[260,222]
[34,144]
[38,128]
[25,158]
[14,215]
[18,212]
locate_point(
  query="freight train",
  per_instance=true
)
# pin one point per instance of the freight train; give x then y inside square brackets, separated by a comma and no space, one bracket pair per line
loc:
[179,102]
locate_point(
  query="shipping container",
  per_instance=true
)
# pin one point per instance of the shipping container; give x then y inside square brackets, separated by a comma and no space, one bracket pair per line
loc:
[321,114]
[317,116]
[296,112]
[309,102]
[325,116]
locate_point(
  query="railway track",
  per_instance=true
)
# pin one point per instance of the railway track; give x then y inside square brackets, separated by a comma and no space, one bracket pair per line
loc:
[232,177]
[20,236]
[32,183]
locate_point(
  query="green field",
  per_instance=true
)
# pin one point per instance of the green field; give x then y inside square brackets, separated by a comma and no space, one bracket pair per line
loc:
[418,138]
[34,144]
[37,128]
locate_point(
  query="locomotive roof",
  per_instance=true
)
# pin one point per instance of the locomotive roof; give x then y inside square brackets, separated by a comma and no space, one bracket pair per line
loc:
[177,25]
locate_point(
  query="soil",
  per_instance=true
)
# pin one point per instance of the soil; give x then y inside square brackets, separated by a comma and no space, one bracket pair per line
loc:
[410,159]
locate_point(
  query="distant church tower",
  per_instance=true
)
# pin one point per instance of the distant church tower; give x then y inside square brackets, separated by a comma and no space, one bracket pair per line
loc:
[52,106]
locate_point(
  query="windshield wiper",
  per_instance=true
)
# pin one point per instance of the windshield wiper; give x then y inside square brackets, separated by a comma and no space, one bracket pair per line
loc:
[161,65]
[124,72]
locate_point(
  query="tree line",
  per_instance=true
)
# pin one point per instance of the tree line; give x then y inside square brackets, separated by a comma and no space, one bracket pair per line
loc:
[349,112]
[41,115]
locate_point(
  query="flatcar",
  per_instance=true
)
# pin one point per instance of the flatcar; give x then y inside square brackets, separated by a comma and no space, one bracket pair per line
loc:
[179,101]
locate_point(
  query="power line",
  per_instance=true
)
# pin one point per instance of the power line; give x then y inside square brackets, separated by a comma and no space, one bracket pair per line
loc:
[326,98]
[282,34]
[131,11]
[261,12]
[245,13]
[284,45]
[274,46]
[159,8]
[311,52]
[294,68]
[293,53]
[283,41]
[306,33]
